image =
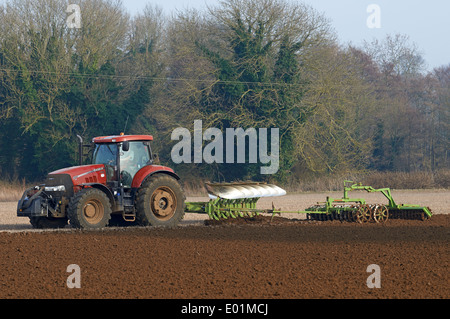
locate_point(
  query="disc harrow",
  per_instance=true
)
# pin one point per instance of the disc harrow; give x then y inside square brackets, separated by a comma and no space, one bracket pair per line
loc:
[351,213]
[357,210]
[238,200]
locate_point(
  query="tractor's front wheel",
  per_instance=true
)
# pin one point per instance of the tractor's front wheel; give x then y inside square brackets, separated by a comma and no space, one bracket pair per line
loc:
[90,208]
[160,202]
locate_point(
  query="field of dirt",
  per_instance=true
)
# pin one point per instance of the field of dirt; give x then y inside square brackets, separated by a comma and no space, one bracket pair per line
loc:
[283,258]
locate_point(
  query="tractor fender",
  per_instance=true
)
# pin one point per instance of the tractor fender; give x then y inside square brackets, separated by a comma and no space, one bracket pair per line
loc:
[150,170]
[101,187]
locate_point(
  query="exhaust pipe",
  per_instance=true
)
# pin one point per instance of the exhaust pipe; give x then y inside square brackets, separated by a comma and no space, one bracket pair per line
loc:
[80,149]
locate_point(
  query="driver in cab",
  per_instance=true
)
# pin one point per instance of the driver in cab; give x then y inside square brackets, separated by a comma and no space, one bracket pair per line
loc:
[128,167]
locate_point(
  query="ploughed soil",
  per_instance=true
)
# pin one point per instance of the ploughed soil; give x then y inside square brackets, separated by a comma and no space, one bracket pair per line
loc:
[253,258]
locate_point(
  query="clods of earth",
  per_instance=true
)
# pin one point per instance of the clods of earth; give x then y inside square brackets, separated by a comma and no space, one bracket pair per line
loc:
[254,258]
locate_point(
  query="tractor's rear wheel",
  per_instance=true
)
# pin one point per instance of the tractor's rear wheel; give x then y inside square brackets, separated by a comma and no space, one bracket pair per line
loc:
[90,208]
[160,202]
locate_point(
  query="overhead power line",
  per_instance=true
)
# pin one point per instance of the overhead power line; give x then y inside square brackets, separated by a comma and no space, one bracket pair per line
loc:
[147,77]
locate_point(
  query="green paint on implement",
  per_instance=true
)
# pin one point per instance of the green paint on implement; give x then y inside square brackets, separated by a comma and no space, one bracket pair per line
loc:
[238,200]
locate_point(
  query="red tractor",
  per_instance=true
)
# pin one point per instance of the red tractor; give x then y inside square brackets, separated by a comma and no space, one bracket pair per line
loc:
[122,185]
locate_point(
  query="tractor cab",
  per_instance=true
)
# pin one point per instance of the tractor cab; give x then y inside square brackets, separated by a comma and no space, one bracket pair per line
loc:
[123,156]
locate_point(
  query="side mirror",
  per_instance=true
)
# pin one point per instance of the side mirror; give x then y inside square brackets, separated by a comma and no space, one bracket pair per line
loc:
[125,146]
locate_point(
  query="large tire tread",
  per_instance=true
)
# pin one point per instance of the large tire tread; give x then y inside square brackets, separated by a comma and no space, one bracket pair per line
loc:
[144,214]
[75,209]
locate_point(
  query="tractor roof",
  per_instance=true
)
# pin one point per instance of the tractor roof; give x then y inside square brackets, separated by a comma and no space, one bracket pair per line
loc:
[121,138]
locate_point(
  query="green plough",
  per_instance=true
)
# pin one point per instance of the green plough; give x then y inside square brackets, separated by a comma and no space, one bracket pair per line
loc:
[238,200]
[234,200]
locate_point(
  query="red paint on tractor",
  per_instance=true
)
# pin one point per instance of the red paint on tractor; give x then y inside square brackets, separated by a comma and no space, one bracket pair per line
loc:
[122,138]
[85,174]
[149,170]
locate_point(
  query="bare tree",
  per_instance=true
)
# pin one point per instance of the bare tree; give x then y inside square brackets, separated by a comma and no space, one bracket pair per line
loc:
[337,135]
[396,54]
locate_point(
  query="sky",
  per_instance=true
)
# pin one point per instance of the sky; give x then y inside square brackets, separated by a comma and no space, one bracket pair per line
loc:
[426,22]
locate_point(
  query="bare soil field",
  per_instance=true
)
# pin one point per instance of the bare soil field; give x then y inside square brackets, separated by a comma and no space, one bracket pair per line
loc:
[283,258]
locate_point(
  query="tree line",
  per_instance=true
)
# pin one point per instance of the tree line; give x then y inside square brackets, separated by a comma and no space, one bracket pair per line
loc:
[239,64]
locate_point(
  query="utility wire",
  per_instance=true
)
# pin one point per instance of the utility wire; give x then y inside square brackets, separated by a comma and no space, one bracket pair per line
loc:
[145,77]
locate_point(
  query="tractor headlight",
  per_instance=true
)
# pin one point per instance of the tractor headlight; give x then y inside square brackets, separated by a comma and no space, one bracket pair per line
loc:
[60,188]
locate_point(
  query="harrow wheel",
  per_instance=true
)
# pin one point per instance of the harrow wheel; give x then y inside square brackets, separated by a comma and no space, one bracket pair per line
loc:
[363,214]
[380,214]
[352,215]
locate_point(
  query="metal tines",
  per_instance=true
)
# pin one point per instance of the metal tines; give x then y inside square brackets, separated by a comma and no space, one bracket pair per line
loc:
[243,190]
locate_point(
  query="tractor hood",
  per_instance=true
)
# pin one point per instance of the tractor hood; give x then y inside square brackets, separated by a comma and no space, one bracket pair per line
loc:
[84,174]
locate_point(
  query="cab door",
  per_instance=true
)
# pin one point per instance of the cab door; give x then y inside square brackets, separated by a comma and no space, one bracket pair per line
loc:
[134,155]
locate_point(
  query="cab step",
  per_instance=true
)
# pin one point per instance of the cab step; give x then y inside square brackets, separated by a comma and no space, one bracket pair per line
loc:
[129,216]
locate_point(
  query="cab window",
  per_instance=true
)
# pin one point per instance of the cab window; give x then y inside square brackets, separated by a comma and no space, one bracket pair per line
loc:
[133,160]
[106,154]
